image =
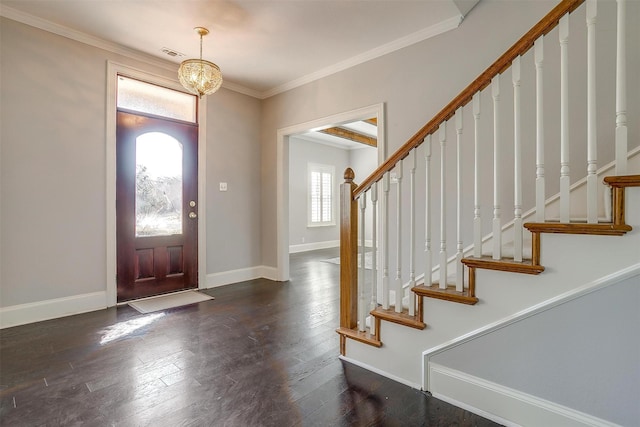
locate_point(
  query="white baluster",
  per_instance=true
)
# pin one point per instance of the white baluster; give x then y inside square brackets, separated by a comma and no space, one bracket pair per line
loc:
[412,231]
[565,180]
[374,253]
[385,241]
[621,91]
[477,220]
[398,287]
[362,312]
[497,225]
[592,142]
[517,163]
[428,261]
[459,265]
[443,207]
[540,190]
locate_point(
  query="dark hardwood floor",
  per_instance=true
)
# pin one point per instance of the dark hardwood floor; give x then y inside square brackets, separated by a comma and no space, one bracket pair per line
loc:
[261,354]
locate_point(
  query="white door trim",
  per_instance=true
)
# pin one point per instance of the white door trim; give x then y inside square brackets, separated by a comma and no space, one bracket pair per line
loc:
[282,177]
[113,69]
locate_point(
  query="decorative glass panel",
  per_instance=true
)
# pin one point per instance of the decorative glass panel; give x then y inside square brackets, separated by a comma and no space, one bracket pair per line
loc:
[158,185]
[157,100]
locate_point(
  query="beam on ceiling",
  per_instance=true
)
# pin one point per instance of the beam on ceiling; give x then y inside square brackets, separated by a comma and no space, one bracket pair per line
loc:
[351,136]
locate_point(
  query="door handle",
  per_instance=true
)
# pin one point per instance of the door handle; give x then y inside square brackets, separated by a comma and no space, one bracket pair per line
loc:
[193,215]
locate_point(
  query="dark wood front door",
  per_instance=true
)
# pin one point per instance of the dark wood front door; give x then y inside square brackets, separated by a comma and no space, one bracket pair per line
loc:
[156,205]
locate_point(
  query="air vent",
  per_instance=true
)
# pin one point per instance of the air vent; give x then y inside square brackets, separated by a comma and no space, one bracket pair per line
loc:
[171,52]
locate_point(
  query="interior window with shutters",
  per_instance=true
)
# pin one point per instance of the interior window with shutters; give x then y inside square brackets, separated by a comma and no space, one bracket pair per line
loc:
[321,195]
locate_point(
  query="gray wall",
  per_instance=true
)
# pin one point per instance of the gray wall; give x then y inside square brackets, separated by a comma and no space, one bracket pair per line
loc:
[233,156]
[301,151]
[53,168]
[416,82]
[52,177]
[584,354]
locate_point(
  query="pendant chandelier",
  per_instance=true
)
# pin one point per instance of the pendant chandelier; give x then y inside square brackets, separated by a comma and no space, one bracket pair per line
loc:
[198,76]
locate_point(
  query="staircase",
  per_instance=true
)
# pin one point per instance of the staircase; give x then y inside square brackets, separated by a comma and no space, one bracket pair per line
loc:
[437,294]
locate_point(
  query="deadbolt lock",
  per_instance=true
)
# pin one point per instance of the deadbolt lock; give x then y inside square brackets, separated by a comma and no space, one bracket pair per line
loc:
[192,203]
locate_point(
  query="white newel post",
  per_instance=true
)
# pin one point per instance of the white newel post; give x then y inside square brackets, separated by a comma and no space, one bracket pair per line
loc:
[592,142]
[385,241]
[565,180]
[428,261]
[497,224]
[374,253]
[621,91]
[362,309]
[517,163]
[398,287]
[459,265]
[540,190]
[412,231]
[443,207]
[477,219]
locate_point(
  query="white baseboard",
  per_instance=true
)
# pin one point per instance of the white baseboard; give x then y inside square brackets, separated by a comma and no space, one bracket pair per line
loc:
[380,372]
[241,275]
[22,314]
[503,404]
[293,249]
[270,273]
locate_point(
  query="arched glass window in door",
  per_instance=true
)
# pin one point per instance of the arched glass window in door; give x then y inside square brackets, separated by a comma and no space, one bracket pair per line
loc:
[158,185]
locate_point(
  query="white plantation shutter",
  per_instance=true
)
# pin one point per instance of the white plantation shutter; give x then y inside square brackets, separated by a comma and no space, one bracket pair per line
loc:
[320,194]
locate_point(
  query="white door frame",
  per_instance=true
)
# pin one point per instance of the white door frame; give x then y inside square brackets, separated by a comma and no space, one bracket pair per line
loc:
[113,69]
[282,178]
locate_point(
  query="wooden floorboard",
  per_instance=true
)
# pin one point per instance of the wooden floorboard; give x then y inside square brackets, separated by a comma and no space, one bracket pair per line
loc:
[261,354]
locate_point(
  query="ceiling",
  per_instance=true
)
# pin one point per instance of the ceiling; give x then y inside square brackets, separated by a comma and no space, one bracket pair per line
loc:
[263,47]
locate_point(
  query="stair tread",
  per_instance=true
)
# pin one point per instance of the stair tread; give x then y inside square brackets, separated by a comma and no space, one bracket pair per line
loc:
[448,294]
[602,229]
[402,318]
[623,181]
[504,264]
[363,337]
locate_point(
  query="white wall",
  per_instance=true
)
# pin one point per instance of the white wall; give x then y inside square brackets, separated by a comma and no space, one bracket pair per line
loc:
[53,168]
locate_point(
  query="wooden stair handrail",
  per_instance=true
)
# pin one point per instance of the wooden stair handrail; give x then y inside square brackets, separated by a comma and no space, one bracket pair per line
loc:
[546,24]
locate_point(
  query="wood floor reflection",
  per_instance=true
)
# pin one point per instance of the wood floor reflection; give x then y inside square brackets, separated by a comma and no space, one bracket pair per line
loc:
[261,354]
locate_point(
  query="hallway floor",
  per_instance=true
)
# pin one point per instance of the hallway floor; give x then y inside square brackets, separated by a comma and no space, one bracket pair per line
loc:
[262,353]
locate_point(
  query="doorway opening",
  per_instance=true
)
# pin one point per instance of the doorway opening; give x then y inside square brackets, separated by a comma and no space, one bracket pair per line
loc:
[286,137]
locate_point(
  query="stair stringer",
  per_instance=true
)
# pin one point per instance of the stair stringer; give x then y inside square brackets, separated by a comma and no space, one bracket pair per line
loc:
[578,341]
[571,261]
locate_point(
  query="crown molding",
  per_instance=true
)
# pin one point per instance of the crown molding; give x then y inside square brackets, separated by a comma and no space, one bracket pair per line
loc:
[418,36]
[426,33]
[61,30]
[242,89]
